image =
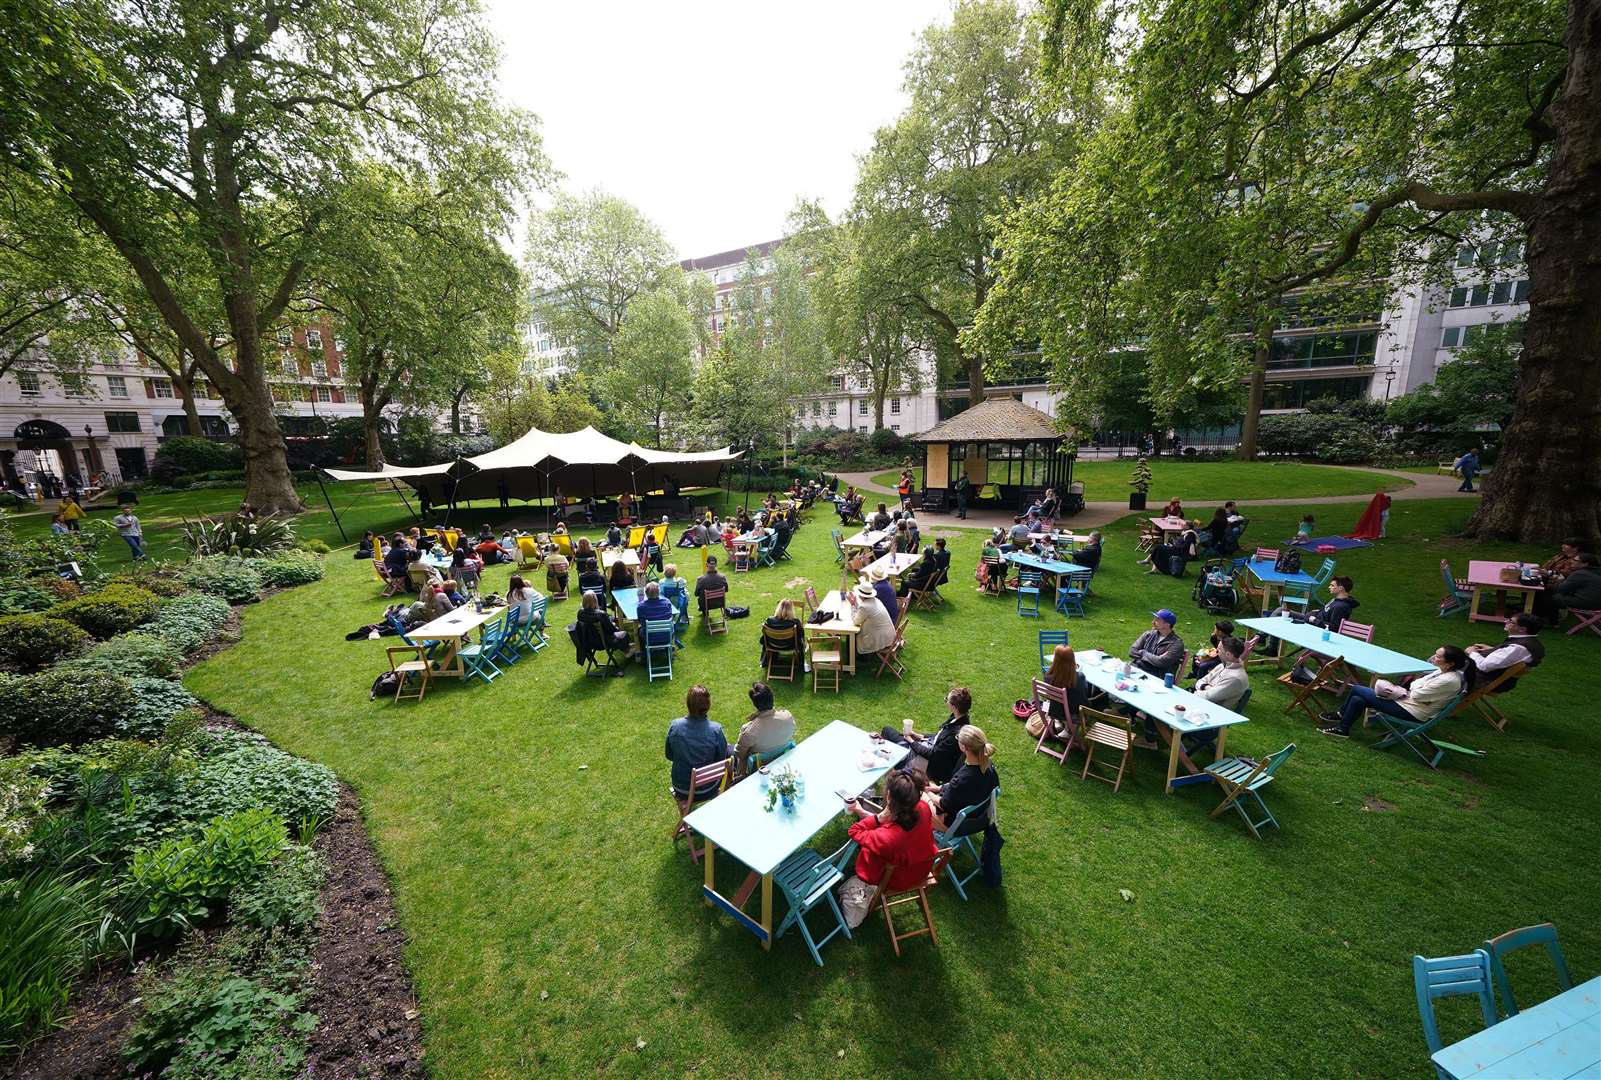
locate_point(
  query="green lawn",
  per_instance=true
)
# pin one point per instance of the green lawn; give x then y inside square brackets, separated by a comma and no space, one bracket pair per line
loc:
[554,930]
[1107,481]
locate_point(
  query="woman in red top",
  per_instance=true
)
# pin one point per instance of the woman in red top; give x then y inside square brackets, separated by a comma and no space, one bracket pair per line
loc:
[902,833]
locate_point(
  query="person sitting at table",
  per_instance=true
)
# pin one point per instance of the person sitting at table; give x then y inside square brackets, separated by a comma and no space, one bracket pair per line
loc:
[614,538]
[1217,532]
[921,575]
[875,626]
[884,590]
[1339,608]
[556,570]
[1579,590]
[1519,647]
[1017,537]
[1225,681]
[584,556]
[901,834]
[711,579]
[1173,558]
[1206,659]
[1303,531]
[782,619]
[1422,700]
[1565,561]
[599,625]
[592,580]
[900,543]
[520,597]
[621,577]
[1159,650]
[765,730]
[742,522]
[1173,509]
[880,520]
[368,547]
[1089,556]
[992,575]
[653,607]
[969,786]
[692,537]
[694,740]
[436,600]
[421,541]
[1063,674]
[464,566]
[397,558]
[936,757]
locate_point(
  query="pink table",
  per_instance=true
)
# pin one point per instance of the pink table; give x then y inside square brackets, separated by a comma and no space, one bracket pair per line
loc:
[1170,526]
[1483,576]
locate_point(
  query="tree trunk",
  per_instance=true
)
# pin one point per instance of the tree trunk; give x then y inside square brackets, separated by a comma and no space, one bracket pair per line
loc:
[1546,484]
[878,407]
[1256,393]
[191,414]
[372,434]
[455,411]
[269,487]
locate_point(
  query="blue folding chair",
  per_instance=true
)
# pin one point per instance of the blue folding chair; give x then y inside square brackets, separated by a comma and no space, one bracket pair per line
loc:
[674,589]
[1523,938]
[807,880]
[1243,780]
[1028,586]
[839,546]
[958,841]
[1071,592]
[757,760]
[1049,640]
[1458,593]
[657,642]
[531,635]
[764,552]
[427,647]
[506,651]
[479,659]
[1448,976]
[1416,735]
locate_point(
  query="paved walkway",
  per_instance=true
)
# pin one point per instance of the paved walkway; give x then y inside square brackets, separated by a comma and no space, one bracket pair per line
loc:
[1096,514]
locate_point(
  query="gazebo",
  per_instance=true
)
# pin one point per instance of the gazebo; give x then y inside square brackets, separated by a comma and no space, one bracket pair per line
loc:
[1012,449]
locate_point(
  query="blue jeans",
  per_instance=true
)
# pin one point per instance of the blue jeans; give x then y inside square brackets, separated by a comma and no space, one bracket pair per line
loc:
[1467,480]
[1361,698]
[136,543]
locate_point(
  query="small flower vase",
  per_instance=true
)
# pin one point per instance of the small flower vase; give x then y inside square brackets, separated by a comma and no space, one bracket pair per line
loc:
[788,799]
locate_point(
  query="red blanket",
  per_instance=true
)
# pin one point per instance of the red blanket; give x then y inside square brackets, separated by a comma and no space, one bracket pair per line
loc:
[1367,526]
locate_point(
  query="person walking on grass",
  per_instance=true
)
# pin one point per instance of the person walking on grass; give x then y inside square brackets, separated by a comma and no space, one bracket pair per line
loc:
[127,525]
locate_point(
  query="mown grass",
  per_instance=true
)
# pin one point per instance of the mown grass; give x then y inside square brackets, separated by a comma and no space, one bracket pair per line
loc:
[1107,481]
[554,930]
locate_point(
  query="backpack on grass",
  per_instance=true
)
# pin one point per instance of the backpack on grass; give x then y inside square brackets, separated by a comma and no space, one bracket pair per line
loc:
[385,684]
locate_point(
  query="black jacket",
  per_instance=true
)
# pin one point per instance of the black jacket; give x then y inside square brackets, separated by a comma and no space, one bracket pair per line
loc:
[943,752]
[1333,613]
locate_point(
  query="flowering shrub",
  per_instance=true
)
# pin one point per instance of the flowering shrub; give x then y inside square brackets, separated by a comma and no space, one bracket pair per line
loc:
[235,535]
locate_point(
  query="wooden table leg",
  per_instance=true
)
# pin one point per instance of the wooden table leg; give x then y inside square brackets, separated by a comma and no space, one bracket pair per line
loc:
[1222,739]
[850,652]
[767,910]
[1172,759]
[708,852]
[1473,605]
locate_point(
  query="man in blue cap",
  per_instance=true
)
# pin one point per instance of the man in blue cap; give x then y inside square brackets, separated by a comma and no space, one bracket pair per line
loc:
[1159,650]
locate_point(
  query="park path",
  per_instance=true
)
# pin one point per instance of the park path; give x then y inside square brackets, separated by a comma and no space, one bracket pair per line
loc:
[1095,514]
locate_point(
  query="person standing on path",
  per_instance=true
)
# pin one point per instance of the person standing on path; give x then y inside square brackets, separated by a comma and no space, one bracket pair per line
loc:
[1468,466]
[961,488]
[127,524]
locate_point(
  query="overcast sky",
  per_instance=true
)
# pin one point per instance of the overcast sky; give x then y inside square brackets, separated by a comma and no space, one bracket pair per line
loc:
[712,119]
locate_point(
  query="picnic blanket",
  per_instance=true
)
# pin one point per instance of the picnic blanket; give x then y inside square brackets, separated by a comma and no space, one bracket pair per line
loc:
[1338,543]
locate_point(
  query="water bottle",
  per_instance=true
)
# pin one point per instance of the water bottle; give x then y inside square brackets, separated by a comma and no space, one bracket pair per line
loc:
[1167,680]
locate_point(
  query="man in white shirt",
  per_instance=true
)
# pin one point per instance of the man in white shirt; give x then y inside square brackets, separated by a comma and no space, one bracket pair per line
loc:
[1226,683]
[1520,647]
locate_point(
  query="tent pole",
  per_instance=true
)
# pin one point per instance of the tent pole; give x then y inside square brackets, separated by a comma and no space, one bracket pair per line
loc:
[318,474]
[403,499]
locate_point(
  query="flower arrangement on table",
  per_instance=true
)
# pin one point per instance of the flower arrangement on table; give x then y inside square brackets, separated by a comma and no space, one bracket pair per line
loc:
[786,786]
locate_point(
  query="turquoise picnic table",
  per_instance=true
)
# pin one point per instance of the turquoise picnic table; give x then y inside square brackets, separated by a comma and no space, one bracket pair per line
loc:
[1371,658]
[1558,1039]
[626,601]
[837,758]
[1055,567]
[1264,571]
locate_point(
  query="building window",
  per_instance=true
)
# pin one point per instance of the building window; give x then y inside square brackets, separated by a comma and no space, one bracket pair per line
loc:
[861,407]
[314,340]
[122,422]
[837,381]
[1295,395]
[833,408]
[28,383]
[319,368]
[817,408]
[284,336]
[160,388]
[1501,292]
[324,394]
[117,385]
[339,344]
[1451,337]
[74,385]
[894,427]
[291,366]
[1324,350]
[1520,291]
[895,406]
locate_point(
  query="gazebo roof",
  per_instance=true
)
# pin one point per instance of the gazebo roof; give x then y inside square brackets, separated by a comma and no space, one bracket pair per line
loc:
[1002,419]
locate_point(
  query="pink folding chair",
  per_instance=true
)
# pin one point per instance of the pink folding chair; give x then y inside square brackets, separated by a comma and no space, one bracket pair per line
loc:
[1360,631]
[1043,692]
[1587,620]
[1270,554]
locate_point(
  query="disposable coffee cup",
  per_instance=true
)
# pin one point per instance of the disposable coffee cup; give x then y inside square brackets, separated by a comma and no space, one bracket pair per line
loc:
[906,726]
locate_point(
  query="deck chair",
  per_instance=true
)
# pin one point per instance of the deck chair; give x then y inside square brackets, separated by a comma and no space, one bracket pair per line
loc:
[705,784]
[479,658]
[636,537]
[1524,938]
[1415,735]
[956,841]
[887,901]
[1028,593]
[1585,620]
[1110,731]
[564,544]
[714,613]
[806,880]
[417,665]
[656,639]
[1316,697]
[1447,976]
[1242,781]
[1482,699]
[1072,590]
[781,650]
[1049,640]
[1044,692]
[528,557]
[1458,593]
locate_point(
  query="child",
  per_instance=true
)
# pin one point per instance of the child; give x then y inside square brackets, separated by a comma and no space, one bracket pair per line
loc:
[1304,530]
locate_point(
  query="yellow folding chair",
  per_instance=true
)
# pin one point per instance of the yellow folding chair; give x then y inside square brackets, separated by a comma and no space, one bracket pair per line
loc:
[636,536]
[527,553]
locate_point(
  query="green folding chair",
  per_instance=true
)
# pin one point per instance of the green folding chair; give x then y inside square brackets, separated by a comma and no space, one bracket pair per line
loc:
[1242,781]
[1415,735]
[656,639]
[1524,938]
[807,880]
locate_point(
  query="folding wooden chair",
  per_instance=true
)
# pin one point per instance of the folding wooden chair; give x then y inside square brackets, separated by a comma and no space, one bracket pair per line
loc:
[741,558]
[1049,640]
[781,650]
[889,657]
[1050,692]
[839,547]
[1071,592]
[1269,554]
[1447,976]
[418,665]
[956,840]
[1482,699]
[1316,697]
[887,902]
[716,773]
[830,660]
[922,599]
[994,575]
[1241,779]
[657,641]
[392,586]
[1360,631]
[1149,537]
[714,613]
[1115,733]
[1415,735]
[810,596]
[1585,620]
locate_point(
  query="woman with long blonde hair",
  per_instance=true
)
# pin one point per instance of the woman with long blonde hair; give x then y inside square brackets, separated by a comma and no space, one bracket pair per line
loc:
[969,786]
